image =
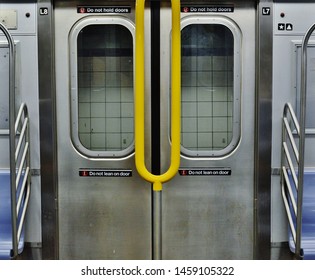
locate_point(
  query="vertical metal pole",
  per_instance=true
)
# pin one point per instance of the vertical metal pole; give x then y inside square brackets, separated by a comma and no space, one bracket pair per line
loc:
[12,136]
[157,180]
[155,131]
[157,225]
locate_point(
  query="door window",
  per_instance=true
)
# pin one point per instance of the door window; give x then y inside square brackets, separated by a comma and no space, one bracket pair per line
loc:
[210,88]
[102,103]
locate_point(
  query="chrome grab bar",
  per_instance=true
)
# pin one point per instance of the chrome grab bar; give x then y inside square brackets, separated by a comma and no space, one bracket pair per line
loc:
[22,159]
[19,158]
[12,132]
[299,153]
[286,187]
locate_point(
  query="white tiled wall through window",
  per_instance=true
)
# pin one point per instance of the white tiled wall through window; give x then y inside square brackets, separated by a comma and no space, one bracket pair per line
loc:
[207,87]
[105,81]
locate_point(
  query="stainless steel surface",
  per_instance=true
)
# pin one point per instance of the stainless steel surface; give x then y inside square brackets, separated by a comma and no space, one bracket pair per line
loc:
[212,217]
[157,225]
[49,172]
[99,217]
[263,128]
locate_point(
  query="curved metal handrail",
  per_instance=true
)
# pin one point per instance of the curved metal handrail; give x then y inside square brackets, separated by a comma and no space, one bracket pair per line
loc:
[286,187]
[158,180]
[299,155]
[22,161]
[12,132]
[20,172]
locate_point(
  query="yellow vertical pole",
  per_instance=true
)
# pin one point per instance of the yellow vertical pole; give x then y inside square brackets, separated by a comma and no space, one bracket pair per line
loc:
[157,180]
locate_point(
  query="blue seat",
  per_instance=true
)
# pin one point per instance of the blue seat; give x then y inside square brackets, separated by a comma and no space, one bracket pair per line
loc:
[5,217]
[308,217]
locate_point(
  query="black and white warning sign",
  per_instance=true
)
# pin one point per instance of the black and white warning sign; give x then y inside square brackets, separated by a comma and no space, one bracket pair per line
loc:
[207,9]
[224,171]
[103,9]
[86,172]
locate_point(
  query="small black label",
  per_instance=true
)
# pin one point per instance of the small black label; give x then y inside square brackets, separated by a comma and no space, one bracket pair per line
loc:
[103,10]
[206,172]
[207,9]
[43,11]
[289,27]
[105,173]
[281,26]
[285,26]
[266,11]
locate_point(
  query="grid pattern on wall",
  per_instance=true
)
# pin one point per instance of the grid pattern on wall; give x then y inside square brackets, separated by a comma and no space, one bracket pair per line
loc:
[105,87]
[207,87]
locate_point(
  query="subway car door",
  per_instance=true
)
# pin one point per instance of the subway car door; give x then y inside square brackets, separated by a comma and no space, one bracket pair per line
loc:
[208,208]
[104,206]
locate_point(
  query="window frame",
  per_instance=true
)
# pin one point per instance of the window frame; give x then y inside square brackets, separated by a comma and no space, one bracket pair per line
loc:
[73,87]
[237,86]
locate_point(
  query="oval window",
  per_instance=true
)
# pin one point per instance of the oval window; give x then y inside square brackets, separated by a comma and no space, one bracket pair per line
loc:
[211,74]
[102,88]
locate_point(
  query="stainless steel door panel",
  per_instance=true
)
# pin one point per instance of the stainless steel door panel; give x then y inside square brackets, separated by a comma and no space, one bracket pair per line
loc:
[103,219]
[212,217]
[99,217]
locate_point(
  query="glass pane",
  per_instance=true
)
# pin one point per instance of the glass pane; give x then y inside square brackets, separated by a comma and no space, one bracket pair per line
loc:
[105,87]
[207,87]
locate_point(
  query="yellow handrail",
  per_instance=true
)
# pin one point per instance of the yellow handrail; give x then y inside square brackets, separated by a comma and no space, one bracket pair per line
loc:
[157,180]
